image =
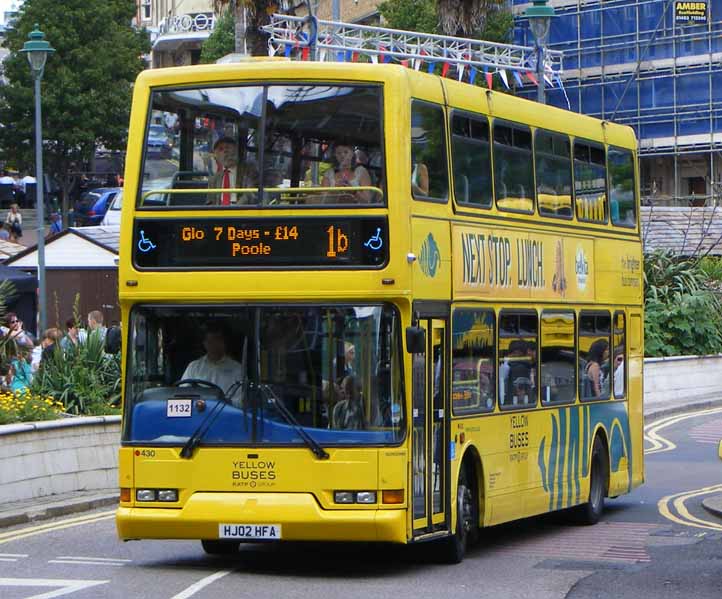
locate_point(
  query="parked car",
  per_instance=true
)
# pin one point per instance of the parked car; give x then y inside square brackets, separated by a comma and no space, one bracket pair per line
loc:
[112,215]
[93,205]
[158,141]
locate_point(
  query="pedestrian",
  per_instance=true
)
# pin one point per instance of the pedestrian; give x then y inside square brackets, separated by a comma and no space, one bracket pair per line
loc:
[5,232]
[14,330]
[56,224]
[73,337]
[22,373]
[95,324]
[15,220]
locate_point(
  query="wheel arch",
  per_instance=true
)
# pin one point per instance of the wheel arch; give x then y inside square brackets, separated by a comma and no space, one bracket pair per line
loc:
[471,459]
[603,435]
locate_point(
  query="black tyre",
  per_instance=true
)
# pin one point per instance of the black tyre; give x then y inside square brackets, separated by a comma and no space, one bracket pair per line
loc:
[591,511]
[467,520]
[220,547]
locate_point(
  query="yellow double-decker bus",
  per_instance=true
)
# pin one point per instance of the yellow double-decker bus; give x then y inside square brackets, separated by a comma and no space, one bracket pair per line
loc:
[364,303]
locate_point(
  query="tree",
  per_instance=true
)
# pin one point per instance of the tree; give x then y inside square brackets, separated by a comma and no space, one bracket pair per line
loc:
[485,19]
[248,17]
[86,86]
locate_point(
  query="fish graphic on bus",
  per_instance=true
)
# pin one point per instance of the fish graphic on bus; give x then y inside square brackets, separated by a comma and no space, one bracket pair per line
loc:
[430,256]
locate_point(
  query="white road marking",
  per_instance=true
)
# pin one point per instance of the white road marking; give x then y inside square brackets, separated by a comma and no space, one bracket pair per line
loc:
[66,586]
[95,559]
[13,554]
[84,563]
[201,584]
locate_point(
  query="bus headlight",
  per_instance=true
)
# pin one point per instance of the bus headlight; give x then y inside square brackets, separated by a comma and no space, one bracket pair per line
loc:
[167,494]
[343,496]
[145,494]
[366,497]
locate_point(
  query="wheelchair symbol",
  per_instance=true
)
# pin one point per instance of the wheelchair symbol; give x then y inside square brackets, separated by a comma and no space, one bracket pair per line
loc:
[145,245]
[375,242]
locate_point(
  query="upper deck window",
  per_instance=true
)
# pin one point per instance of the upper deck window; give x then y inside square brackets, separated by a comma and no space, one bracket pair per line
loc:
[429,175]
[590,188]
[552,154]
[471,159]
[622,204]
[269,146]
[513,167]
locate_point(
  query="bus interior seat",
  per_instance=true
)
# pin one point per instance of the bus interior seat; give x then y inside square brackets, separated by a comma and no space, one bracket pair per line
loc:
[190,180]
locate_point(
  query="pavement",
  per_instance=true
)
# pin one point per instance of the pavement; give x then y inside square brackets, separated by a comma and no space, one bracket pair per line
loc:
[53,506]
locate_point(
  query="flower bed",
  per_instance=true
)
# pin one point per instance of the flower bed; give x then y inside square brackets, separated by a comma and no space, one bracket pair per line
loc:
[24,406]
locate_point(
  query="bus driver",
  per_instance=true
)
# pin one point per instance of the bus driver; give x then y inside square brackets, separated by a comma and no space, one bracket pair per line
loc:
[216,366]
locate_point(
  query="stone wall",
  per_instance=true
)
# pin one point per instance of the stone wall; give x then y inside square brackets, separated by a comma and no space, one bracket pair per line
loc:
[44,458]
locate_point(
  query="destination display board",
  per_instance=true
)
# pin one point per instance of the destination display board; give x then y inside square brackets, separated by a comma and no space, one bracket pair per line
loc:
[230,243]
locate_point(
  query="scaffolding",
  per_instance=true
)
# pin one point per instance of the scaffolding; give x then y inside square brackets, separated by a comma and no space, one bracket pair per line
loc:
[636,63]
[314,39]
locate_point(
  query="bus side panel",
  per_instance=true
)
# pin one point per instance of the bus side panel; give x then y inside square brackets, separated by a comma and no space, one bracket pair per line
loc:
[635,394]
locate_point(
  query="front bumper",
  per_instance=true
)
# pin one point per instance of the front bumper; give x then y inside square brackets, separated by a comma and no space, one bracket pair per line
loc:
[300,516]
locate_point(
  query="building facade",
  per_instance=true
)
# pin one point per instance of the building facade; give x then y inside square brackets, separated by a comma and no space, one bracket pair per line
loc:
[655,65]
[177,29]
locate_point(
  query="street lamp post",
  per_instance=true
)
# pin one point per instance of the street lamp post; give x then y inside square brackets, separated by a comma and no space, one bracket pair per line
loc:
[37,50]
[540,16]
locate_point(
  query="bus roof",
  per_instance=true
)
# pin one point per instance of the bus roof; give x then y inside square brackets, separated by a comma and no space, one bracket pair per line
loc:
[459,95]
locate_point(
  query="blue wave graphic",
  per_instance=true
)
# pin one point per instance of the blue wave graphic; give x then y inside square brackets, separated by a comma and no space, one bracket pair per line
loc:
[430,256]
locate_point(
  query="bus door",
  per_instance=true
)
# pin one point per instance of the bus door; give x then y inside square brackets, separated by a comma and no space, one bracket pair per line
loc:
[430,415]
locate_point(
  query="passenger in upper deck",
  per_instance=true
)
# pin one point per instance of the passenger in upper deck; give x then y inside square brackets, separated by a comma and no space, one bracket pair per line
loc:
[347,174]
[231,174]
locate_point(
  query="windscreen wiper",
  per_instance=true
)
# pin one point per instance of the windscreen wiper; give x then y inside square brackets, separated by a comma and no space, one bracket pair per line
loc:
[313,445]
[198,434]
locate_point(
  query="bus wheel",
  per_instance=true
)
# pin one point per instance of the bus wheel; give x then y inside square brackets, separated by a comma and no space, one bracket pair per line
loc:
[591,511]
[220,547]
[467,520]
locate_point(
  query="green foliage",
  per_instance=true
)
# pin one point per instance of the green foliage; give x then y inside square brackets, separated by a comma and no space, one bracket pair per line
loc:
[221,41]
[711,266]
[84,378]
[683,314]
[8,347]
[424,16]
[411,15]
[86,86]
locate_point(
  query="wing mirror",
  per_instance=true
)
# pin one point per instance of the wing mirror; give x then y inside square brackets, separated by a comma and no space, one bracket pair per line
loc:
[415,340]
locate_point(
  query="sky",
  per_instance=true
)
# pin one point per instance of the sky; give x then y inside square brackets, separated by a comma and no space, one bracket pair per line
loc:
[5,5]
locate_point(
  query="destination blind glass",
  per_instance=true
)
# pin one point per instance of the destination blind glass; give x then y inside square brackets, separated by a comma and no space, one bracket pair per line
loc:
[240,243]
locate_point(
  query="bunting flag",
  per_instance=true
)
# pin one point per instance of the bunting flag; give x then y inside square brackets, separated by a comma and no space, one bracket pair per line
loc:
[445,69]
[472,75]
[518,79]
[382,55]
[322,55]
[430,68]
[461,71]
[340,56]
[566,97]
[271,49]
[548,79]
[287,51]
[504,80]
[354,56]
[530,76]
[305,53]
[405,63]
[349,55]
[374,59]
[489,78]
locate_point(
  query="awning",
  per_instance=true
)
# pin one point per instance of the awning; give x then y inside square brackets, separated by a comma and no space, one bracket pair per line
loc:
[173,41]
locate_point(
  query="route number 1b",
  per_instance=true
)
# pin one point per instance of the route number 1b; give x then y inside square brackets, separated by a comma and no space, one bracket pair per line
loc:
[337,242]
